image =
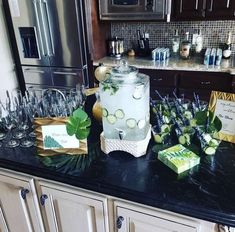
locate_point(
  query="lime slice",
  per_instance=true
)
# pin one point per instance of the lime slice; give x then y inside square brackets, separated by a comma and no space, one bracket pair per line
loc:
[213,143]
[111,119]
[104,112]
[209,150]
[138,92]
[141,124]
[182,139]
[157,138]
[119,114]
[165,128]
[131,123]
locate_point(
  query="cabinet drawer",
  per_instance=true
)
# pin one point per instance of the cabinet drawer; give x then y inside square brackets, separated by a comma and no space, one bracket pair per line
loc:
[210,81]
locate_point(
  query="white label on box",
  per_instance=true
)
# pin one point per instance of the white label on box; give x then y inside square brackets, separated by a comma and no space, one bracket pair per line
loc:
[14,8]
[225,110]
[56,137]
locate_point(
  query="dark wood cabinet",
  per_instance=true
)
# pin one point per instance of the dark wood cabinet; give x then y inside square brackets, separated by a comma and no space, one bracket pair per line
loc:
[203,9]
[165,82]
[189,9]
[203,83]
[186,83]
[217,9]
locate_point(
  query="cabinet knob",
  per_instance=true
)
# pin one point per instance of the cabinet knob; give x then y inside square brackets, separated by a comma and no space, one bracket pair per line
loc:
[205,82]
[120,219]
[23,193]
[43,199]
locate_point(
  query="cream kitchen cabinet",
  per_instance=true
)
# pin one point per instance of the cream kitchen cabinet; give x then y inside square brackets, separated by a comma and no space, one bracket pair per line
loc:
[66,209]
[19,210]
[31,205]
[134,218]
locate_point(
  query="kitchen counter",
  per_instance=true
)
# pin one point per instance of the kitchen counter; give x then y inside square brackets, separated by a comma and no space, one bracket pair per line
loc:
[195,64]
[205,192]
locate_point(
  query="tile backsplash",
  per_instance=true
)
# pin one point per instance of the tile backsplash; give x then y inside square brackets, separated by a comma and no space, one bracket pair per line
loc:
[160,33]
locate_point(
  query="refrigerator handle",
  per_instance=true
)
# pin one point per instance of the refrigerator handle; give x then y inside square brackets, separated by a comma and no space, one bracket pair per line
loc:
[38,27]
[47,28]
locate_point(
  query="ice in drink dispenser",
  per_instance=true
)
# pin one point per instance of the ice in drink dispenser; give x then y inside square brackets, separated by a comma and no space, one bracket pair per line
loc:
[124,99]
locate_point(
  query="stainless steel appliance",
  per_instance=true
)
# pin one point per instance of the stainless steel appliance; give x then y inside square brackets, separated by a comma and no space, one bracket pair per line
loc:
[115,47]
[51,42]
[135,9]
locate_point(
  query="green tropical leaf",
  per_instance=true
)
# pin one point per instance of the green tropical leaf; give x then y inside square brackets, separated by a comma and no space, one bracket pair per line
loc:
[79,124]
[215,123]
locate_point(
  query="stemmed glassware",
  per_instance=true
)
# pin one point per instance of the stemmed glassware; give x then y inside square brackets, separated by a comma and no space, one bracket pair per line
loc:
[17,112]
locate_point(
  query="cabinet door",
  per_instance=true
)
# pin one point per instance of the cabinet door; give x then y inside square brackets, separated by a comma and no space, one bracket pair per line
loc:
[203,83]
[217,9]
[134,221]
[17,208]
[162,81]
[189,9]
[66,211]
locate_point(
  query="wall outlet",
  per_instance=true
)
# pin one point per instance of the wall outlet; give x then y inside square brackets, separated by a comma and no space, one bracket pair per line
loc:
[194,39]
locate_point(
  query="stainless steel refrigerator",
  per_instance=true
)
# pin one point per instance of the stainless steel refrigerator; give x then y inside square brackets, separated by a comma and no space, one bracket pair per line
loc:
[51,41]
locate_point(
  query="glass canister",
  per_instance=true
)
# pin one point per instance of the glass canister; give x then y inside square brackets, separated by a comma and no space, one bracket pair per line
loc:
[125,104]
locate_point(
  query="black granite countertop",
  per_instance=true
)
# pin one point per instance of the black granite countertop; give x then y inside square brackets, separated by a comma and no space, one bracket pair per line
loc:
[207,191]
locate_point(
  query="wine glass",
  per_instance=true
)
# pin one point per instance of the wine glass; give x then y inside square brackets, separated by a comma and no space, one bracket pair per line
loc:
[10,123]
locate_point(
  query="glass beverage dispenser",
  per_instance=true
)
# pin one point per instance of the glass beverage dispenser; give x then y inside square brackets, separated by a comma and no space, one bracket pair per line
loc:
[125,110]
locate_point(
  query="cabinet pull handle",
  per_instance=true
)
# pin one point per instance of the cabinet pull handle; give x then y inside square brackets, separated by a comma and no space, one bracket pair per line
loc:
[196,6]
[65,73]
[205,82]
[159,79]
[43,199]
[228,3]
[120,219]
[23,193]
[211,6]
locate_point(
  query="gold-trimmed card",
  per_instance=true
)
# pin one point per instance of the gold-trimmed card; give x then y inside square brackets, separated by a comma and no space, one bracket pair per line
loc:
[52,138]
[223,106]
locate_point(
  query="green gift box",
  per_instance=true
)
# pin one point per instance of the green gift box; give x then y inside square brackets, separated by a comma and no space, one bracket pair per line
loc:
[178,158]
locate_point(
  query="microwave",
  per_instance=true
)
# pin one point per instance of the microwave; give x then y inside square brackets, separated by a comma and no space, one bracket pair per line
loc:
[135,10]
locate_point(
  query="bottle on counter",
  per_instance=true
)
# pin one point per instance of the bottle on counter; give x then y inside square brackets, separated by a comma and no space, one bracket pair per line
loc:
[199,42]
[175,43]
[185,47]
[227,47]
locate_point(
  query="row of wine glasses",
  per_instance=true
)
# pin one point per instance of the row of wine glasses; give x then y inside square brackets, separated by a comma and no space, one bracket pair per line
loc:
[17,111]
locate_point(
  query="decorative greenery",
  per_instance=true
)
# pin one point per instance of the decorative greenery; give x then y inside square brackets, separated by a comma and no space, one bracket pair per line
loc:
[209,121]
[79,124]
[72,163]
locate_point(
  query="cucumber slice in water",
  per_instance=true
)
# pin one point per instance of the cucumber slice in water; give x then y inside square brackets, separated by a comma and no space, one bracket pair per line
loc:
[166,119]
[209,150]
[141,124]
[165,128]
[187,138]
[111,119]
[188,114]
[138,92]
[157,138]
[131,123]
[182,139]
[119,114]
[104,112]
[213,143]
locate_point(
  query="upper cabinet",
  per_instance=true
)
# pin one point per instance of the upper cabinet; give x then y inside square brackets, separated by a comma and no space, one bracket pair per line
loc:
[217,9]
[203,9]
